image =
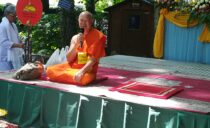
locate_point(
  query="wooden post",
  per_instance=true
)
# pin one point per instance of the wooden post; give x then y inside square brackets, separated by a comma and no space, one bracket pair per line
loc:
[28,46]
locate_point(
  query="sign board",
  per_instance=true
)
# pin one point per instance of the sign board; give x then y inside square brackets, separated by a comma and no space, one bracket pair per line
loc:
[29,12]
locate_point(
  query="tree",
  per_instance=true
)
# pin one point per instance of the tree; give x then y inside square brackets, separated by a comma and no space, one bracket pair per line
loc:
[99,5]
[45,4]
[90,5]
[68,24]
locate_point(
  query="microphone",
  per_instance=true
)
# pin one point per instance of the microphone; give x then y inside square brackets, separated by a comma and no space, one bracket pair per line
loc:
[81,31]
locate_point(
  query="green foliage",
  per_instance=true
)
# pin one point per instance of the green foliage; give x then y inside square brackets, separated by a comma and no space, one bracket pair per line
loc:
[45,36]
[117,1]
[173,5]
[1,7]
[101,21]
[101,17]
[100,5]
[1,11]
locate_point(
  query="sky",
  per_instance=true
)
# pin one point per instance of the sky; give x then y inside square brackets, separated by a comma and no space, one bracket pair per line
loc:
[8,1]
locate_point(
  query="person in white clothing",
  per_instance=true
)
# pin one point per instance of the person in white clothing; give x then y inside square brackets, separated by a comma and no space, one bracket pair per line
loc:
[11,48]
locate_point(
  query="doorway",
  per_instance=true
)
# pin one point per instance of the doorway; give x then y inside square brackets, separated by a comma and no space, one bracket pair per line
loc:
[137,33]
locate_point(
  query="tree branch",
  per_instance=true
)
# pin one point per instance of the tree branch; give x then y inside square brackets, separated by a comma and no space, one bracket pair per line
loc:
[96,1]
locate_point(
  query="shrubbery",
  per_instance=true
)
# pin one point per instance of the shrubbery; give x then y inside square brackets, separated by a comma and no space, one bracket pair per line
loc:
[45,36]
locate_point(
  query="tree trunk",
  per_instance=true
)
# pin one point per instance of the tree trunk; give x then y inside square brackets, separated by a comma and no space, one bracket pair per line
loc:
[45,4]
[90,6]
[68,25]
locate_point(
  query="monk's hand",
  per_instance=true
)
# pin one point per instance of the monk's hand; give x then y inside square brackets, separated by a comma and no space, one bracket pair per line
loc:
[18,45]
[80,39]
[21,45]
[78,76]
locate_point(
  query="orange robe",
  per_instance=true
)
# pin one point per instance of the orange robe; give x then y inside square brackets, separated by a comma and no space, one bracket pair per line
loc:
[93,46]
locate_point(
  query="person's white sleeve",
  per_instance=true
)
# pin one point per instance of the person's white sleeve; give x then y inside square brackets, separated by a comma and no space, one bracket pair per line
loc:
[4,40]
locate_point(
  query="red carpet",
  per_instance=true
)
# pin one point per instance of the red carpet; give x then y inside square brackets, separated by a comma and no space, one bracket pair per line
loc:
[150,90]
[195,89]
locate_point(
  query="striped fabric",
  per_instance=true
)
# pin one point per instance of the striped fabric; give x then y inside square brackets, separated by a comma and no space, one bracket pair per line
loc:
[65,4]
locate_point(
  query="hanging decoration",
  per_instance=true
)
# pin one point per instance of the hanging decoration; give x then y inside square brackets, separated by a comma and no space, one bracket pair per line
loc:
[29,13]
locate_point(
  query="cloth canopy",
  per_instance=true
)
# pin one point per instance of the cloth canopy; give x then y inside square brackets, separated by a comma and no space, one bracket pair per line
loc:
[179,19]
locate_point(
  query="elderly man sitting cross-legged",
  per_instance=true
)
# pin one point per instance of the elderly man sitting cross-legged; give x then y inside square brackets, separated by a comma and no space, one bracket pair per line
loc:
[83,56]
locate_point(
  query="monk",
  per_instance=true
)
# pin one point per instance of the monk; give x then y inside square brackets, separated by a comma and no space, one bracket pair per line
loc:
[83,56]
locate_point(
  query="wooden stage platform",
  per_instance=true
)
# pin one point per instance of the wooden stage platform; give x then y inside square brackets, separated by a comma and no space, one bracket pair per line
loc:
[47,104]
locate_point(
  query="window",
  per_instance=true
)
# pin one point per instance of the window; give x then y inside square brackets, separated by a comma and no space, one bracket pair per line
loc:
[134,22]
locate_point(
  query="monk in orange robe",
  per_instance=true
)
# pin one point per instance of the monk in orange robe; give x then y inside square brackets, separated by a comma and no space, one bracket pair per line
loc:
[83,56]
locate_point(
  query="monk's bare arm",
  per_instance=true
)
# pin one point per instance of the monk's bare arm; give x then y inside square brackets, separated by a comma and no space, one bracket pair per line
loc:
[71,54]
[88,66]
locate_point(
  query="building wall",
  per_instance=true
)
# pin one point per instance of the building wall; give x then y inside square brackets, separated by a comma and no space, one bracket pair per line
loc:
[116,30]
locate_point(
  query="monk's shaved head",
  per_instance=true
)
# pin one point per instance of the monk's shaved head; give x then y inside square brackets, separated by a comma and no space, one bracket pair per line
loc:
[85,20]
[86,14]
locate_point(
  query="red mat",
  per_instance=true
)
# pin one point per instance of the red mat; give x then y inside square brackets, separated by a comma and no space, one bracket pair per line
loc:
[150,90]
[195,89]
